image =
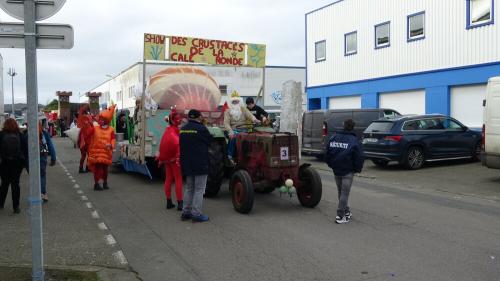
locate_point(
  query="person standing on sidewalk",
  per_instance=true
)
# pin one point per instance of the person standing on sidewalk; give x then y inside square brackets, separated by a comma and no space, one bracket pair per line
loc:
[194,141]
[13,148]
[46,148]
[344,155]
[169,154]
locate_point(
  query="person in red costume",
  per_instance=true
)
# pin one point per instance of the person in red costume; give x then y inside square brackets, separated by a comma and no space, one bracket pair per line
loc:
[169,154]
[101,148]
[84,122]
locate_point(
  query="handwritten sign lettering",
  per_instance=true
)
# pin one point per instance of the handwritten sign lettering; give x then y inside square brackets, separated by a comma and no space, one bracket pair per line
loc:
[207,51]
[154,46]
[197,50]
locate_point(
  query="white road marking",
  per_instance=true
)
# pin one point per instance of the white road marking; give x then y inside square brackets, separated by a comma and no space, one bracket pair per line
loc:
[95,215]
[84,198]
[120,257]
[89,205]
[76,186]
[110,240]
[70,177]
[102,226]
[73,181]
[79,191]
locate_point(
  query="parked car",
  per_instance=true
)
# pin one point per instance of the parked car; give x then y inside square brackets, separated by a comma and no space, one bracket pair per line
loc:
[313,132]
[319,125]
[491,128]
[414,140]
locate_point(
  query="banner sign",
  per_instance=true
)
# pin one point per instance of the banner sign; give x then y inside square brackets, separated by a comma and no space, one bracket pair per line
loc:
[256,55]
[197,50]
[205,51]
[154,46]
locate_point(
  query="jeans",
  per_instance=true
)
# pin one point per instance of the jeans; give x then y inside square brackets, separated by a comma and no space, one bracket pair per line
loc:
[231,146]
[344,184]
[43,173]
[10,172]
[193,194]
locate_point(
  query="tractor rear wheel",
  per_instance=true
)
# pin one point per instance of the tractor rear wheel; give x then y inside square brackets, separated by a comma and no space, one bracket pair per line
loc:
[242,191]
[215,168]
[311,189]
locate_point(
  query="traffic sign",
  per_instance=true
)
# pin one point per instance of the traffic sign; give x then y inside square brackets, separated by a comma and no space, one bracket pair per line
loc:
[44,9]
[48,36]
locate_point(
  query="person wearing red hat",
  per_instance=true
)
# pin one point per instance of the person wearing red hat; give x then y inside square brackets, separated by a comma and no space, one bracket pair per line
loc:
[101,148]
[169,154]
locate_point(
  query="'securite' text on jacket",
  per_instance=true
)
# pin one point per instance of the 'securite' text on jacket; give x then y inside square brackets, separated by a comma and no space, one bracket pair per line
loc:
[344,154]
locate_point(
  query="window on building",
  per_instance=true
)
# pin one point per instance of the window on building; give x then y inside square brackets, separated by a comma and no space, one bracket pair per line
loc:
[479,13]
[416,26]
[351,43]
[320,51]
[223,89]
[383,35]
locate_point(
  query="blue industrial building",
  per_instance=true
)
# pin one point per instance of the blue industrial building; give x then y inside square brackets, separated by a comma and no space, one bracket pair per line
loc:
[417,56]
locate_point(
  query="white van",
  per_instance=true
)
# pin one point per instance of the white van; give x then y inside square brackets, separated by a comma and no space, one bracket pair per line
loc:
[491,128]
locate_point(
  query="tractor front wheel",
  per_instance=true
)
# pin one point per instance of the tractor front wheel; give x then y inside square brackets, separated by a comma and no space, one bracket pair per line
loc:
[310,190]
[242,191]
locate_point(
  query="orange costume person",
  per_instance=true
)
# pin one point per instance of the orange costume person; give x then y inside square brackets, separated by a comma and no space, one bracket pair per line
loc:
[170,156]
[84,122]
[101,148]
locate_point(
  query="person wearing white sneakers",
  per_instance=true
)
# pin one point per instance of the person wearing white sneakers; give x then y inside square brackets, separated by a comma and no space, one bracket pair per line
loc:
[344,155]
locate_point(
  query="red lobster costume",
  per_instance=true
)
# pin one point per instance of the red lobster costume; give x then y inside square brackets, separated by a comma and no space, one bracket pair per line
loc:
[169,155]
[101,148]
[84,122]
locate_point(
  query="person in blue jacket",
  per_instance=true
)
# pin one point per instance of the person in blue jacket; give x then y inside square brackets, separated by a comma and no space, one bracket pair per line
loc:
[344,155]
[46,148]
[194,140]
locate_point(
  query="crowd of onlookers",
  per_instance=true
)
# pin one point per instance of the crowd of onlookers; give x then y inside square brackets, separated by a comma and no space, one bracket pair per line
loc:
[14,158]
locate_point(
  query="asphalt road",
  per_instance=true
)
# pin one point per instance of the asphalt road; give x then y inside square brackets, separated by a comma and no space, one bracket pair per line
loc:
[439,223]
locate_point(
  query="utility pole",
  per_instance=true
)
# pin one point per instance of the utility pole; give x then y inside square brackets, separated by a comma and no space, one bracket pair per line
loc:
[12,72]
[29,35]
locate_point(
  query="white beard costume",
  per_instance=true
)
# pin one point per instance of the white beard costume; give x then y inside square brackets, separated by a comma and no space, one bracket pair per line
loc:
[235,111]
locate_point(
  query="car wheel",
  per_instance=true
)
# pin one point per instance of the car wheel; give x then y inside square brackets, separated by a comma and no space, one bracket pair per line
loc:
[380,162]
[476,154]
[414,158]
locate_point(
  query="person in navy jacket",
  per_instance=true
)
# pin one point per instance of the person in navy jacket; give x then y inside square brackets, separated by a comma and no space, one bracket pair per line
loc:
[194,140]
[344,155]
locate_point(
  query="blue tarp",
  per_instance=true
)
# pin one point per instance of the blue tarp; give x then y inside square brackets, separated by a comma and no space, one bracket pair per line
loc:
[132,166]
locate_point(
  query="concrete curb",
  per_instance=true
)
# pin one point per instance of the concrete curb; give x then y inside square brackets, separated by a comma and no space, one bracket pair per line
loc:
[103,273]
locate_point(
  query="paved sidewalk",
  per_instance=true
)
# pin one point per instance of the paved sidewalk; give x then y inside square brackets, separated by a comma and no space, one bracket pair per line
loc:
[73,237]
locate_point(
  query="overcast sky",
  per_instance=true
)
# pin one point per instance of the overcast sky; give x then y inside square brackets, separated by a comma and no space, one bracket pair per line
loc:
[109,34]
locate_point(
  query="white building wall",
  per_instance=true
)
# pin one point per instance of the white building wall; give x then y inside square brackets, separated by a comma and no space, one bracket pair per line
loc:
[2,95]
[246,80]
[447,42]
[275,77]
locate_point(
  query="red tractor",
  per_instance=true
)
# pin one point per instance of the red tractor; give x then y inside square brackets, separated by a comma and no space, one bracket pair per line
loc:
[264,161]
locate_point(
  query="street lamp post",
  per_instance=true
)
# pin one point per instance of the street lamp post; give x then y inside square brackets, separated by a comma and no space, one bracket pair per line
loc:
[108,96]
[12,72]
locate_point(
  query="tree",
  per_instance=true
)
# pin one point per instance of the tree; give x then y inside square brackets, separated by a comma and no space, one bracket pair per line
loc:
[53,105]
